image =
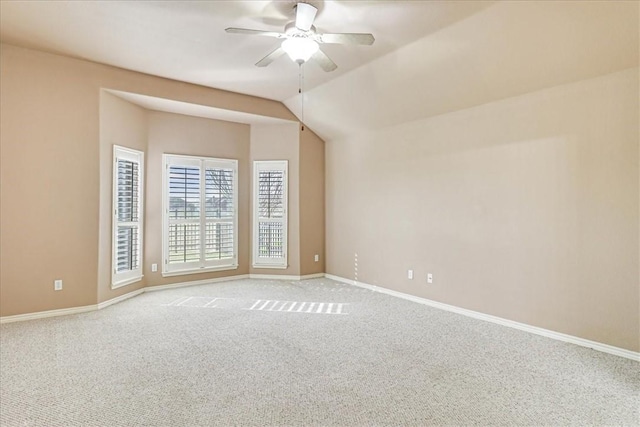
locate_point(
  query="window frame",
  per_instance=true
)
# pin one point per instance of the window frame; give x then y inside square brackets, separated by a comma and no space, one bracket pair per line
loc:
[202,265]
[270,165]
[119,280]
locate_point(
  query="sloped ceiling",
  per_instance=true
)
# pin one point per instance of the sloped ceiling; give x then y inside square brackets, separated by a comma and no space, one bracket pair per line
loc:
[429,57]
[508,49]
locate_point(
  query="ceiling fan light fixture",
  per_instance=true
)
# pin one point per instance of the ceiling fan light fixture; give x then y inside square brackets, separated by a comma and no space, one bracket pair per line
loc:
[300,49]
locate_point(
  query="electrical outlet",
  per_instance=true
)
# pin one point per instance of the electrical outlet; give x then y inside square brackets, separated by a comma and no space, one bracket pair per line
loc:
[409,274]
[57,285]
[154,268]
[316,258]
[429,278]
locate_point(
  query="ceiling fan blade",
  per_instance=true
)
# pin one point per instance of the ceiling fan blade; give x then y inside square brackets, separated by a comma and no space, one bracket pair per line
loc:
[275,54]
[255,32]
[324,61]
[347,38]
[305,14]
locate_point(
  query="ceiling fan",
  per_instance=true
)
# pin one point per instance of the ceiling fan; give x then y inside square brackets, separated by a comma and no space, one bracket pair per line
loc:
[301,41]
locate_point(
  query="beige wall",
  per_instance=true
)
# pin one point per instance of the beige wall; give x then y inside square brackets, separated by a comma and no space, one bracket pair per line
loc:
[526,208]
[49,182]
[311,203]
[281,142]
[156,133]
[124,124]
[55,157]
[177,134]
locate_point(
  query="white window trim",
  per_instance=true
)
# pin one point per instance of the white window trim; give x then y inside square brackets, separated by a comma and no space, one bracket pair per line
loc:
[201,162]
[119,280]
[273,165]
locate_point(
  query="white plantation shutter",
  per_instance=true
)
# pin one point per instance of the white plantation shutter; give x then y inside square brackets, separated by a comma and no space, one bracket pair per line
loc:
[219,213]
[127,216]
[200,231]
[184,214]
[270,214]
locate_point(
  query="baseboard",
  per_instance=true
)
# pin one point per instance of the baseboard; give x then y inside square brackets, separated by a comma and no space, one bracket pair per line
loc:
[66,311]
[273,277]
[605,348]
[195,283]
[115,300]
[311,276]
[48,313]
[285,277]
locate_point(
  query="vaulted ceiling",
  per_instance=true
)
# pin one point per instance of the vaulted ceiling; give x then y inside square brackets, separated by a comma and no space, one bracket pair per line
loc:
[429,57]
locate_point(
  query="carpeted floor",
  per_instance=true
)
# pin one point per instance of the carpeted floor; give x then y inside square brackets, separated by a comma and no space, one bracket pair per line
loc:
[250,352]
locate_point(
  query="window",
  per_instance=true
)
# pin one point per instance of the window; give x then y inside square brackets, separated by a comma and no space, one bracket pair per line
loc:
[127,216]
[270,214]
[200,214]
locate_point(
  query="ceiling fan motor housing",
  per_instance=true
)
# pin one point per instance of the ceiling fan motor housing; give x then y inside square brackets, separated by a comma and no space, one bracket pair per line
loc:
[301,41]
[292,31]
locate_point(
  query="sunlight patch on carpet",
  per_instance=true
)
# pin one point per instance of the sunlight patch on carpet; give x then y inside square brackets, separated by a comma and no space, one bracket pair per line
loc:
[299,307]
[306,307]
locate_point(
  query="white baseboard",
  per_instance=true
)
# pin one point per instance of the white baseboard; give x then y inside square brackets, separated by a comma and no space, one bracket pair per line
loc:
[115,300]
[274,277]
[195,282]
[285,277]
[311,276]
[48,313]
[605,348]
[72,310]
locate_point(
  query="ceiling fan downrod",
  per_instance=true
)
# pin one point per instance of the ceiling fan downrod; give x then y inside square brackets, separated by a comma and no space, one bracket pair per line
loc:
[300,85]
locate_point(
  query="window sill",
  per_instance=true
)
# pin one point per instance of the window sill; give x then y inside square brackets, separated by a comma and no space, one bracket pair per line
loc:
[126,282]
[198,270]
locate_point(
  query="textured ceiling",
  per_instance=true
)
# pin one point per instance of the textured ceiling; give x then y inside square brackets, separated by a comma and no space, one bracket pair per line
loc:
[430,57]
[186,41]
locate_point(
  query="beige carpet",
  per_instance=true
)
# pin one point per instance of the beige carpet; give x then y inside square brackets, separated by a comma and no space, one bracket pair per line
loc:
[306,353]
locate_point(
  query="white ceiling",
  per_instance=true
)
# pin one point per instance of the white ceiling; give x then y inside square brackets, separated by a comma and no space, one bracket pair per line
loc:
[508,49]
[430,57]
[185,40]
